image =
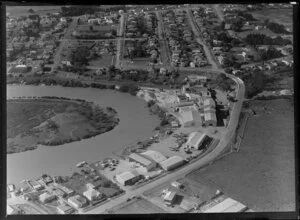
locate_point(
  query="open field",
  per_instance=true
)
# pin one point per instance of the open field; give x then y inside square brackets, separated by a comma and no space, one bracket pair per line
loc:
[139,206]
[281,16]
[53,122]
[262,174]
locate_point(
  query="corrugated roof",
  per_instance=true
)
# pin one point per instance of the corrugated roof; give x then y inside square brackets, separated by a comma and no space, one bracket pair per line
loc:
[172,160]
[126,176]
[220,207]
[140,159]
[195,138]
[210,116]
[170,196]
[235,208]
[155,155]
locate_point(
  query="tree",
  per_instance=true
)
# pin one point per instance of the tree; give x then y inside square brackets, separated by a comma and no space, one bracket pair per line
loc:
[236,26]
[30,10]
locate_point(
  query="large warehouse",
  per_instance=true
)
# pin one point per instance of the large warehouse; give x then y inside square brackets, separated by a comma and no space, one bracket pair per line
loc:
[148,164]
[128,178]
[195,140]
[154,155]
[172,163]
[228,205]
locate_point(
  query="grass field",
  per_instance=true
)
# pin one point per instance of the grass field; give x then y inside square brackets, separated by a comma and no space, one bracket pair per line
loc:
[262,174]
[140,206]
[281,16]
[53,122]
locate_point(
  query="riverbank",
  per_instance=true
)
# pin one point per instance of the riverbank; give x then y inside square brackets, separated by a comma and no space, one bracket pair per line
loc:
[53,121]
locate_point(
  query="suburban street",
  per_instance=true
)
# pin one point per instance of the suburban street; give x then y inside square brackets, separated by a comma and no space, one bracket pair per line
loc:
[65,39]
[207,51]
[165,53]
[219,11]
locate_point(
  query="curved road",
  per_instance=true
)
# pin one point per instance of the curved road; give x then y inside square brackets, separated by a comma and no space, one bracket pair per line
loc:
[234,118]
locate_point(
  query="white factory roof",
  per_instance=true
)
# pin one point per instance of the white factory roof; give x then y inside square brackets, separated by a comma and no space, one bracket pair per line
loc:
[154,155]
[210,116]
[222,206]
[195,138]
[209,101]
[128,175]
[172,160]
[140,159]
[45,196]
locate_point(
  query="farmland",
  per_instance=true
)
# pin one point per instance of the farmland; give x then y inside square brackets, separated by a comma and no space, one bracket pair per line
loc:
[261,175]
[53,122]
[281,16]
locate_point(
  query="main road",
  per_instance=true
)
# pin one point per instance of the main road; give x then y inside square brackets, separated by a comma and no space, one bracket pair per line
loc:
[233,122]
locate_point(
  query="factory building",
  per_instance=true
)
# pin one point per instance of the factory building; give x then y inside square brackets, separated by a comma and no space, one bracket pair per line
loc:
[172,163]
[128,178]
[148,164]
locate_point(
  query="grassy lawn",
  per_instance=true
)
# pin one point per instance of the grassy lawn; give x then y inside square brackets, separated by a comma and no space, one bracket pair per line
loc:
[262,174]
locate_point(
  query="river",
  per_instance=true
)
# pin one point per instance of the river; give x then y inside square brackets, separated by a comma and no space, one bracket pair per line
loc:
[136,123]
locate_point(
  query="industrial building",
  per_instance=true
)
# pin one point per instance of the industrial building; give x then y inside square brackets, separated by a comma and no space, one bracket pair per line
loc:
[172,163]
[228,205]
[154,155]
[128,178]
[191,118]
[77,201]
[68,191]
[59,192]
[169,198]
[65,209]
[92,194]
[210,118]
[148,164]
[195,140]
[46,197]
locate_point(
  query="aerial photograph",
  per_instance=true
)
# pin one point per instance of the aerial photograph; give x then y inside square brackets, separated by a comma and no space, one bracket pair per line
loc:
[144,109]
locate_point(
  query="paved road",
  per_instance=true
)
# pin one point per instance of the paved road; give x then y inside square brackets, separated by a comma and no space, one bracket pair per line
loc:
[234,118]
[196,32]
[65,39]
[219,11]
[164,48]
